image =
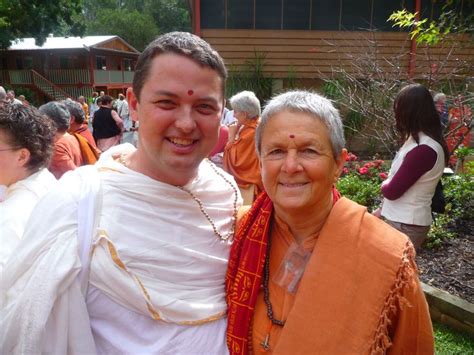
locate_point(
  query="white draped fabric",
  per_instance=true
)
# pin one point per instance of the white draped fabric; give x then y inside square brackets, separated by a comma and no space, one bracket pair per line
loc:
[18,202]
[156,260]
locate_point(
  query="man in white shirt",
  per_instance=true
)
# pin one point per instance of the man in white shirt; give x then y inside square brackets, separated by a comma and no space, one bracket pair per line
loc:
[130,255]
[122,110]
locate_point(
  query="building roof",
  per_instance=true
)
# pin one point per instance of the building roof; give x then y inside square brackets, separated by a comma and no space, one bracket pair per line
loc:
[64,42]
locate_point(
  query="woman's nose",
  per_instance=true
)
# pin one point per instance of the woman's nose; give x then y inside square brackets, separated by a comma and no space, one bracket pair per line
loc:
[291,163]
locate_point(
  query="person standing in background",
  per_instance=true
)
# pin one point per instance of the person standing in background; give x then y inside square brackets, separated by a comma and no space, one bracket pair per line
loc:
[417,166]
[107,125]
[122,110]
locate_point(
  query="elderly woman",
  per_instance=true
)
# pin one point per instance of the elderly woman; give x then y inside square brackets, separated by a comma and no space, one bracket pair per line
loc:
[311,272]
[240,159]
[67,153]
[26,145]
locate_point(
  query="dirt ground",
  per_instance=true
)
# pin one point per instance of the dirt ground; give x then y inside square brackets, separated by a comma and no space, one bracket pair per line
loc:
[450,267]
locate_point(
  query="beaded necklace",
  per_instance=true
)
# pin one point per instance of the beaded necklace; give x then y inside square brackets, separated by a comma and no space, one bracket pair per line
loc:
[204,212]
[266,289]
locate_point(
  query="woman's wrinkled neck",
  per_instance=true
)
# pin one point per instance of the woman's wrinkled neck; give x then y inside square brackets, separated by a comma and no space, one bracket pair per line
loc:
[303,224]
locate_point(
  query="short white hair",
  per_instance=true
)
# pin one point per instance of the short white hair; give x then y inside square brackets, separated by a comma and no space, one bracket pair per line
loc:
[246,101]
[439,96]
[310,103]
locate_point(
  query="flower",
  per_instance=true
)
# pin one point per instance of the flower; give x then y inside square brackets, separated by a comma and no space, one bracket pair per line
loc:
[364,170]
[383,176]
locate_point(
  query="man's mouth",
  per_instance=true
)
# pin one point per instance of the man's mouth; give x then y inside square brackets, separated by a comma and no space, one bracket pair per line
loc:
[181,141]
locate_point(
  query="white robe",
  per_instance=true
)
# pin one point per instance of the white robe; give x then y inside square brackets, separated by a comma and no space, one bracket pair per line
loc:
[18,202]
[155,256]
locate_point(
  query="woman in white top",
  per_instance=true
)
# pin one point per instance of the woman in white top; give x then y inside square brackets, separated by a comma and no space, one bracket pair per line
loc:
[26,145]
[418,165]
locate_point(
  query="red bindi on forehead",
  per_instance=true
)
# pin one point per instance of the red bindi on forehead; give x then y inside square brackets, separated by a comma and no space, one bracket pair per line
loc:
[190,92]
[291,136]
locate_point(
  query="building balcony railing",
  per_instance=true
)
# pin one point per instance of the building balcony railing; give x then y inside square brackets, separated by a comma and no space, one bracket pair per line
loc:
[113,76]
[69,77]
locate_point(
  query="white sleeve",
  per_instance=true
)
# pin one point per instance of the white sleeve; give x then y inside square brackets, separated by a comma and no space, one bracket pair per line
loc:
[43,309]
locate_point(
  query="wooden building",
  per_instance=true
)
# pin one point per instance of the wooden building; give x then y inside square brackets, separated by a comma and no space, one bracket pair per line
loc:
[310,39]
[69,67]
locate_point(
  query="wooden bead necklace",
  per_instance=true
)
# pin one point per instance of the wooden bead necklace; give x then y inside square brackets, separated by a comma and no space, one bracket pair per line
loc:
[204,212]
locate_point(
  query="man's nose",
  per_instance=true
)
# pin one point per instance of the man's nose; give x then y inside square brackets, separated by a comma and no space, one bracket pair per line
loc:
[184,120]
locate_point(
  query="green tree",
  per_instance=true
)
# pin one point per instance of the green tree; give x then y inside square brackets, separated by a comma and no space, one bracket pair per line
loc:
[457,17]
[135,28]
[170,15]
[136,21]
[38,18]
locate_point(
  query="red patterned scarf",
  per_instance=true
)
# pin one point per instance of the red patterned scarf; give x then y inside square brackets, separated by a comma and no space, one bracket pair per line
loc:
[245,270]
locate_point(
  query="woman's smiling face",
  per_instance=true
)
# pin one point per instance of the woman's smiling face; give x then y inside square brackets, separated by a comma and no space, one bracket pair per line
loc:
[297,162]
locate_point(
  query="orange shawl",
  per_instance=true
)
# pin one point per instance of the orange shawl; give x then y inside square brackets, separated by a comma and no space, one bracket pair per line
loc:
[241,161]
[352,297]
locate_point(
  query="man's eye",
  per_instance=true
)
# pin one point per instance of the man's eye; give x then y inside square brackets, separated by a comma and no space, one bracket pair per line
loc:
[206,109]
[166,104]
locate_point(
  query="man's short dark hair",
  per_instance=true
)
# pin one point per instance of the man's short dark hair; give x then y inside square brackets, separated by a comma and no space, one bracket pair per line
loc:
[181,43]
[106,99]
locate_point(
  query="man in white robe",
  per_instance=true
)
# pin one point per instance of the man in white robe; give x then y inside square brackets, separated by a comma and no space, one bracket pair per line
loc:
[130,255]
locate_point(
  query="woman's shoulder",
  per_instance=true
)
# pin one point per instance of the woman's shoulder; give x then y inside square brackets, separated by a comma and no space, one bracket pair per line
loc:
[373,234]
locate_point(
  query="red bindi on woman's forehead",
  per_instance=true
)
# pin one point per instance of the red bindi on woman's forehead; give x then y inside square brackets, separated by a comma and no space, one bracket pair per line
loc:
[190,92]
[291,136]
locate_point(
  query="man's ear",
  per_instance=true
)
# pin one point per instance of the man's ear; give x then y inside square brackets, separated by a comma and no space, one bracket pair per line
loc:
[132,104]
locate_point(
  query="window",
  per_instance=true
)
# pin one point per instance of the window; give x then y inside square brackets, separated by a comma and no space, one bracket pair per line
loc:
[355,15]
[63,62]
[381,12]
[306,14]
[212,13]
[127,63]
[28,62]
[296,14]
[100,63]
[19,63]
[325,15]
[268,14]
[240,13]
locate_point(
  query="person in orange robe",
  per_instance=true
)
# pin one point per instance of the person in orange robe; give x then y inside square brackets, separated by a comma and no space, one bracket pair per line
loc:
[67,151]
[240,158]
[311,272]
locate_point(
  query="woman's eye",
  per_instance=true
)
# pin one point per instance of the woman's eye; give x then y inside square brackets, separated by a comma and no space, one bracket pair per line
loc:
[275,152]
[309,152]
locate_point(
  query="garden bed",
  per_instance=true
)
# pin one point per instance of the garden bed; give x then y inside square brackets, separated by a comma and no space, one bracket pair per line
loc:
[450,266]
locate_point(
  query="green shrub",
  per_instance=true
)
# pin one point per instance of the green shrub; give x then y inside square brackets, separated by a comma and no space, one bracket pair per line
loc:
[365,192]
[459,195]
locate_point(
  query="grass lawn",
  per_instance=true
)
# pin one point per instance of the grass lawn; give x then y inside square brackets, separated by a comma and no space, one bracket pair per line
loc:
[449,341]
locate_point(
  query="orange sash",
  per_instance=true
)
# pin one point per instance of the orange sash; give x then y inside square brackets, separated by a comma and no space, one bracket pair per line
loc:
[89,154]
